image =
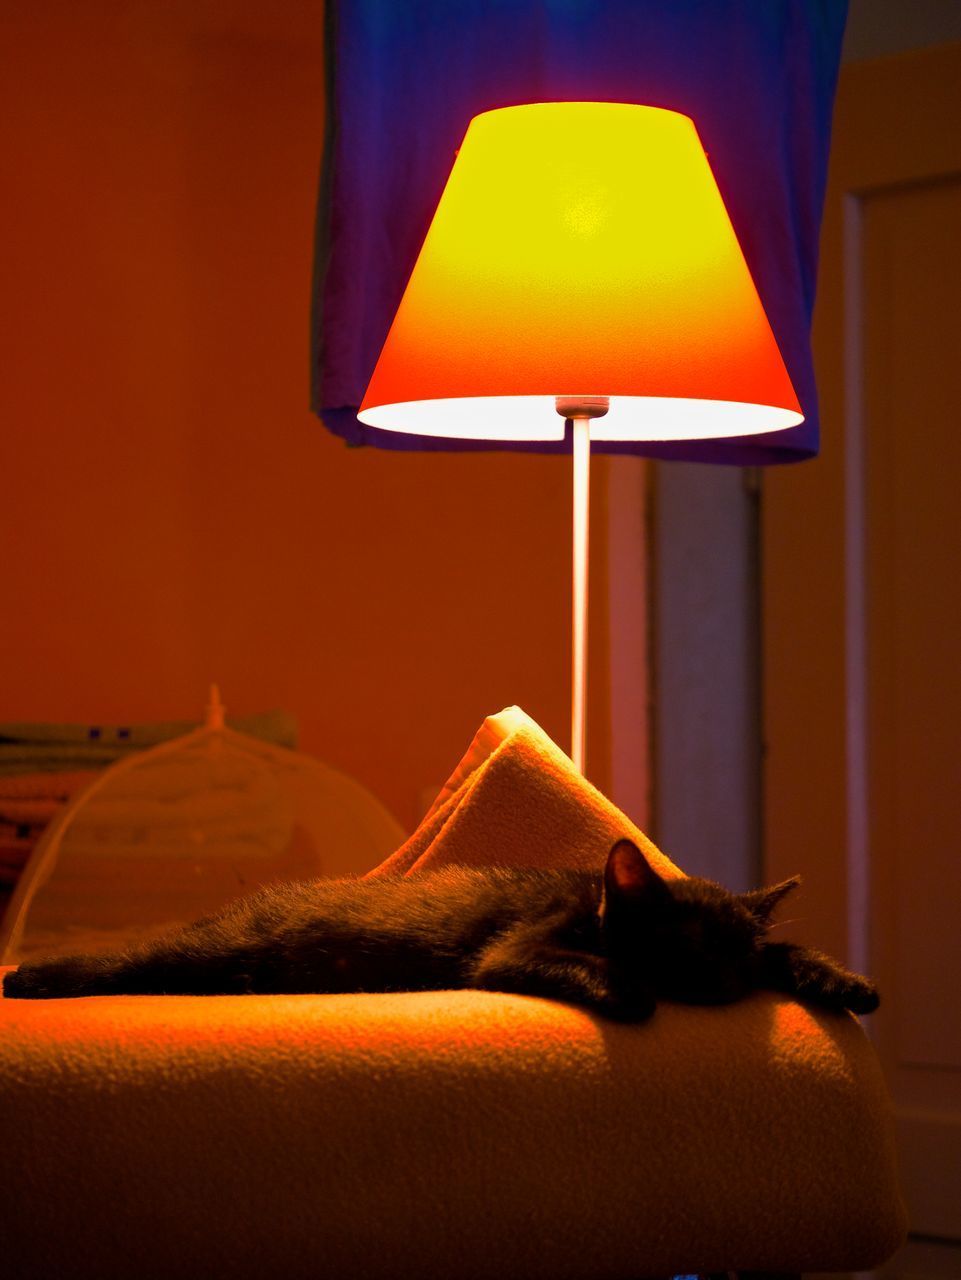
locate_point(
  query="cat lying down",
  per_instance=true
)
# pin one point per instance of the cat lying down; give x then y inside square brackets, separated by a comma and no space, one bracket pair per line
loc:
[615,942]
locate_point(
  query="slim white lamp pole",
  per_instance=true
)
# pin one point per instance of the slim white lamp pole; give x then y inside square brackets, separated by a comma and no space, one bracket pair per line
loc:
[580,410]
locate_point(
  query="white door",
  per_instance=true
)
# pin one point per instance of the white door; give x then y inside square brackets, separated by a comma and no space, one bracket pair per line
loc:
[861,599]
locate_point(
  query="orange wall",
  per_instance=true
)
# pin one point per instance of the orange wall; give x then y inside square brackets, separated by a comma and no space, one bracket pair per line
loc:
[171,513]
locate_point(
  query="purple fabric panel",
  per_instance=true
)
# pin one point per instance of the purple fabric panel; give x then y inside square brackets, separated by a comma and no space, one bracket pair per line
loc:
[404,79]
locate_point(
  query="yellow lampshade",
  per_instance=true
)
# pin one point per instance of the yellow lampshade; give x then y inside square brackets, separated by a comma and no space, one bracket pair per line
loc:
[581,249]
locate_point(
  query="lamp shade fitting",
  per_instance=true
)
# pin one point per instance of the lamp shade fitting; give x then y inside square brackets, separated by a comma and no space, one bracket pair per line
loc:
[581,248]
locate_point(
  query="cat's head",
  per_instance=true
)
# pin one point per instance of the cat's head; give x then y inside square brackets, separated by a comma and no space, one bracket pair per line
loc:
[689,939]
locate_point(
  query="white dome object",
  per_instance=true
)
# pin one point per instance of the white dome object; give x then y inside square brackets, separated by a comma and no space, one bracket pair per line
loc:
[171,834]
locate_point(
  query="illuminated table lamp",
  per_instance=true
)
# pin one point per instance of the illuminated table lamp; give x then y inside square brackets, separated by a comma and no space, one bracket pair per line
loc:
[580,265]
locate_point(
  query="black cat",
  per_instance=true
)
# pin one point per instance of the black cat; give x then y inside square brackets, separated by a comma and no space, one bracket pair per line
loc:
[616,942]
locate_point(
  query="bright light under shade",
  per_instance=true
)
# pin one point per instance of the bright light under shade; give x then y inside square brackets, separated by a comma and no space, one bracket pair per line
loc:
[536,418]
[581,248]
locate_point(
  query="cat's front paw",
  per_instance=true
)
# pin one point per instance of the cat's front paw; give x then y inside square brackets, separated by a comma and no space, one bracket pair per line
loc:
[860,995]
[25,983]
[59,978]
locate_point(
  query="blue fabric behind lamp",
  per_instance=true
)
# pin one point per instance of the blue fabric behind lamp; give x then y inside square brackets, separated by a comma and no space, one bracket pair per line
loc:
[758,77]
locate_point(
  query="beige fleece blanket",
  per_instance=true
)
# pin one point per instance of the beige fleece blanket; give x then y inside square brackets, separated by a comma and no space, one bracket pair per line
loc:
[436,1135]
[443,1134]
[516,799]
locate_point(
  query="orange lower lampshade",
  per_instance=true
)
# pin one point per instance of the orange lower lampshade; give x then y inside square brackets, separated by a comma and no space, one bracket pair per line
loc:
[581,248]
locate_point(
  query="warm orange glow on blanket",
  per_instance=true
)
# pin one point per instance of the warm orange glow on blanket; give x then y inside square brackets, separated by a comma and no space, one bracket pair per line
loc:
[581,248]
[230,1119]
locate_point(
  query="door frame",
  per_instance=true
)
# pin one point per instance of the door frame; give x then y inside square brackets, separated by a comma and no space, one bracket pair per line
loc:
[814,696]
[897,127]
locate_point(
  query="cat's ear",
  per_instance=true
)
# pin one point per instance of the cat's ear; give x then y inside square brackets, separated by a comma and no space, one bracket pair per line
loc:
[628,873]
[762,903]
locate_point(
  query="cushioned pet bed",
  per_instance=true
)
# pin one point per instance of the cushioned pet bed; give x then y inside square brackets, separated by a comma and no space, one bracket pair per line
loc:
[440,1134]
[460,1134]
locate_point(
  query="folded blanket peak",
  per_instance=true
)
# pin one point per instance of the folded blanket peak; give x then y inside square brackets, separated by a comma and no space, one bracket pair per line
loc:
[515,799]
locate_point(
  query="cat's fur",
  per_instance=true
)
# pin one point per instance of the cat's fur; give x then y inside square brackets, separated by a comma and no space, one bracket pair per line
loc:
[616,942]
